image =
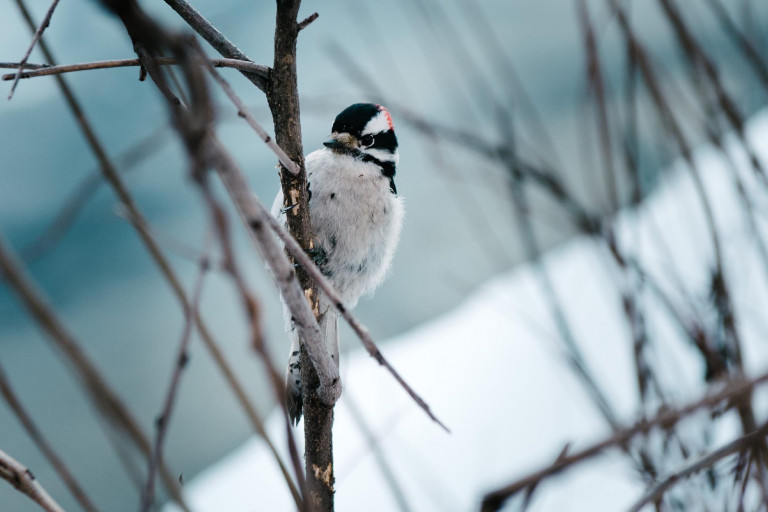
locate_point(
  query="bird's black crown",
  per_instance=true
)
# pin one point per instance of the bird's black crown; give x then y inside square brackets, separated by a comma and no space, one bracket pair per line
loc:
[353,119]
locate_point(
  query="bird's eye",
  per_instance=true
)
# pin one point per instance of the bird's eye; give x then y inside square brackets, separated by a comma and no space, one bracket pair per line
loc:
[367,141]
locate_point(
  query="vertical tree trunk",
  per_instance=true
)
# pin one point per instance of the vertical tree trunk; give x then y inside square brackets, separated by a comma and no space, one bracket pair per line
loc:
[283,99]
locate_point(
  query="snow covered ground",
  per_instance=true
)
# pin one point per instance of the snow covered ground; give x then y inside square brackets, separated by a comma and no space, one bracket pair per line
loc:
[493,371]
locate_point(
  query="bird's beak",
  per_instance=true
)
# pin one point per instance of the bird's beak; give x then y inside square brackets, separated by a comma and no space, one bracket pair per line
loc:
[333,144]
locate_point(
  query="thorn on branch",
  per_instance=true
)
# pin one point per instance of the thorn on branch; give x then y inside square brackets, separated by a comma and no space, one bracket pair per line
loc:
[305,23]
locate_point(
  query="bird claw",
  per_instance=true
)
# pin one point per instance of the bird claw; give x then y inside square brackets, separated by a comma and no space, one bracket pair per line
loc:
[318,255]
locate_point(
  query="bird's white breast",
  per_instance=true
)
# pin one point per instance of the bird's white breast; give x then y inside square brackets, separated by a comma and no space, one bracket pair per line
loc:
[356,218]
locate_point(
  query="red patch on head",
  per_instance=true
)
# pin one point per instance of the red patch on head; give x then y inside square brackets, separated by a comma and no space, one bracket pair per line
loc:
[388,116]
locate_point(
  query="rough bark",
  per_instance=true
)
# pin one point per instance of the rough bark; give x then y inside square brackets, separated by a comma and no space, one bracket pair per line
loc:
[283,98]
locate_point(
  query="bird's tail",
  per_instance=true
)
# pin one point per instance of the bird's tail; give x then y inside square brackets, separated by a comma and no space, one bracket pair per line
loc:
[293,400]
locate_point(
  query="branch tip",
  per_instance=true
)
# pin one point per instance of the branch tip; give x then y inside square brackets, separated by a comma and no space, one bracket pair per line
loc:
[306,21]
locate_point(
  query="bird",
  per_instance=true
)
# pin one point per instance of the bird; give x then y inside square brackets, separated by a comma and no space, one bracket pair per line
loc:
[356,216]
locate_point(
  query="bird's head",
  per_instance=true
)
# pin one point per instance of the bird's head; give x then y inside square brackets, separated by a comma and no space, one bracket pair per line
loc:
[365,130]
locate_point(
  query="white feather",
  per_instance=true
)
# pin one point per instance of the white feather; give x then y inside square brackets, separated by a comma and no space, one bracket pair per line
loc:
[381,122]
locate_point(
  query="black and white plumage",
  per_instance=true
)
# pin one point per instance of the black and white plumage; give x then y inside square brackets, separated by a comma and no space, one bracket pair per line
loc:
[356,218]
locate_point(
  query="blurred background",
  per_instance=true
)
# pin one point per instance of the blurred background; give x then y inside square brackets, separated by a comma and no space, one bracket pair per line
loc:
[466,82]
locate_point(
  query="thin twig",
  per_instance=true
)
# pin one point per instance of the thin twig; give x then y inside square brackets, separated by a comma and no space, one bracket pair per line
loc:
[218,41]
[703,463]
[543,177]
[252,310]
[193,126]
[666,419]
[306,21]
[104,398]
[182,358]
[596,81]
[748,50]
[43,445]
[17,65]
[390,475]
[39,32]
[68,212]
[46,70]
[24,481]
[242,111]
[164,266]
[110,173]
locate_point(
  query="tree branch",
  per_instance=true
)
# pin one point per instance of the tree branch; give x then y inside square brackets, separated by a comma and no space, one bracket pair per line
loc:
[105,400]
[283,100]
[667,419]
[217,40]
[182,359]
[24,481]
[43,445]
[705,462]
[139,223]
[242,111]
[46,70]
[39,32]
[306,21]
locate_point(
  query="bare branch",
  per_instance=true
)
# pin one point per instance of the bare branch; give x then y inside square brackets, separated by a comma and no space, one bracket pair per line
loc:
[701,464]
[17,65]
[389,474]
[252,310]
[39,32]
[666,419]
[217,40]
[46,70]
[748,50]
[43,445]
[193,124]
[242,111]
[24,481]
[283,100]
[68,212]
[105,400]
[182,358]
[306,21]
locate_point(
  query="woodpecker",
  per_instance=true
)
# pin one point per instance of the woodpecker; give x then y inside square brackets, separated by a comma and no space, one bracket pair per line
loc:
[356,218]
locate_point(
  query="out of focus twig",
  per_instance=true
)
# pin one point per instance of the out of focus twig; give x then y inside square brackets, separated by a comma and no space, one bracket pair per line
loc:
[138,222]
[242,111]
[218,41]
[665,419]
[43,445]
[39,32]
[748,50]
[182,358]
[703,463]
[47,70]
[105,400]
[24,481]
[75,202]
